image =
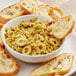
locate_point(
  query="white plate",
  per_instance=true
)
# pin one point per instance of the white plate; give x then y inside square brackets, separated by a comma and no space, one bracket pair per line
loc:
[70,46]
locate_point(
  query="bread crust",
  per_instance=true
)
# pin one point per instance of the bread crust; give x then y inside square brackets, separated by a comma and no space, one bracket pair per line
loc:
[71,29]
[54,73]
[27,11]
[4,20]
[59,10]
[17,65]
[51,14]
[1,25]
[1,42]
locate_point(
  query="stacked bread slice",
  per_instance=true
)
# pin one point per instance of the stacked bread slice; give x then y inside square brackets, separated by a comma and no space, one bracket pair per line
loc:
[38,8]
[58,65]
[47,11]
[28,5]
[11,12]
[8,66]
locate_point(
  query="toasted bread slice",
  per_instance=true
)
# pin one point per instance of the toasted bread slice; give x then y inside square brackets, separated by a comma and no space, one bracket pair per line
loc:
[62,27]
[29,4]
[58,65]
[1,25]
[1,42]
[47,11]
[8,66]
[11,12]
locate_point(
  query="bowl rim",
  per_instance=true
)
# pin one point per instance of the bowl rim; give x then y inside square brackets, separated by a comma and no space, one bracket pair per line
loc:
[7,46]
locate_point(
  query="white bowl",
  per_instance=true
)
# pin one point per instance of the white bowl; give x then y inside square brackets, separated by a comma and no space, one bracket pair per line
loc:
[27,58]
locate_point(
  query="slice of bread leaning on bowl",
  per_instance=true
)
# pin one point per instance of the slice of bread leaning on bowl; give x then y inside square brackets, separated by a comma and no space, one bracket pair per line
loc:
[65,23]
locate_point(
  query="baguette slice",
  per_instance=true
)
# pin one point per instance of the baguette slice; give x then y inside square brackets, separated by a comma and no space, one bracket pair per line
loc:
[47,11]
[8,66]
[58,65]
[11,12]
[1,42]
[29,4]
[62,27]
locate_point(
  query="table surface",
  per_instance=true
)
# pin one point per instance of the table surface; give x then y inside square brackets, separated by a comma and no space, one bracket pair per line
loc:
[67,6]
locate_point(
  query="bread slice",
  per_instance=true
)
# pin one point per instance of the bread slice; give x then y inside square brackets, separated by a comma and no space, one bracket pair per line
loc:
[47,11]
[29,4]
[1,42]
[1,25]
[58,65]
[62,27]
[11,12]
[8,66]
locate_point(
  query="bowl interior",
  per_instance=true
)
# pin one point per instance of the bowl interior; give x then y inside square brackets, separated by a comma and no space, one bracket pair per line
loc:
[17,21]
